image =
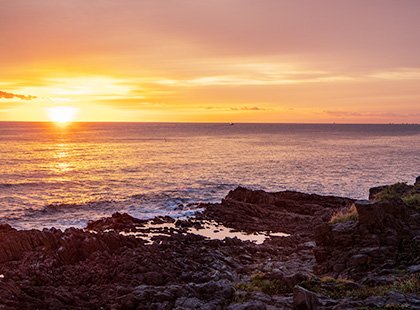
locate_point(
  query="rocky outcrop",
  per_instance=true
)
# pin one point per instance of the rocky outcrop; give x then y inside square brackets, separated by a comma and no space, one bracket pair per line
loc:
[67,247]
[116,222]
[378,241]
[104,267]
[289,212]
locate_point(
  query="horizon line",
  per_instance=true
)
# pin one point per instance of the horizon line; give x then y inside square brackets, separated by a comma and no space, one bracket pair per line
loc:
[159,122]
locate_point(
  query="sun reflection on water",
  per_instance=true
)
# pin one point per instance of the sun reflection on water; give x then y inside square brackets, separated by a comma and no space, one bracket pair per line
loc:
[62,163]
[62,151]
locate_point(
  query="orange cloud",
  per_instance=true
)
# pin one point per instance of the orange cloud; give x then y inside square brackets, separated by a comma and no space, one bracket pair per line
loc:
[11,96]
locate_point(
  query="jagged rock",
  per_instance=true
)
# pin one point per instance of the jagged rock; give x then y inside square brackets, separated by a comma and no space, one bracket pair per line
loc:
[348,304]
[375,301]
[94,269]
[304,299]
[188,303]
[353,248]
[413,269]
[395,298]
[116,222]
[358,260]
[249,305]
[289,212]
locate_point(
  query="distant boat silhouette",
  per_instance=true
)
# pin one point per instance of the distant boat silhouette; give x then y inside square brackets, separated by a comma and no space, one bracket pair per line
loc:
[231,124]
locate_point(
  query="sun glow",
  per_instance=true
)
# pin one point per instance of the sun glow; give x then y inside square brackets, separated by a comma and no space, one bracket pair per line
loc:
[62,114]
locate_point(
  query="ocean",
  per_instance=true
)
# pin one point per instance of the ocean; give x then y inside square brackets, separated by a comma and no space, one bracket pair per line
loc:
[65,175]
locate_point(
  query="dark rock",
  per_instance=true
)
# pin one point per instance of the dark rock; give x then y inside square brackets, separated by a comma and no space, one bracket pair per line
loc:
[127,302]
[294,279]
[249,305]
[375,190]
[375,302]
[395,298]
[116,222]
[289,212]
[153,278]
[304,299]
[188,303]
[413,300]
[358,260]
[78,269]
[375,280]
[348,304]
[351,249]
[413,269]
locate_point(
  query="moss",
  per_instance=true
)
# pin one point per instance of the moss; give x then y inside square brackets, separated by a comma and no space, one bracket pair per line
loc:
[412,200]
[410,195]
[337,289]
[407,284]
[341,217]
[408,250]
[261,283]
[333,288]
[393,190]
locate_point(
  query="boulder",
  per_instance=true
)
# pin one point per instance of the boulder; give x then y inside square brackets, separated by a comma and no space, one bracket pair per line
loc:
[304,299]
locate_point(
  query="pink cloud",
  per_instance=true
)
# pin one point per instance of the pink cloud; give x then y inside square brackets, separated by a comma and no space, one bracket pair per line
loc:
[248,109]
[358,114]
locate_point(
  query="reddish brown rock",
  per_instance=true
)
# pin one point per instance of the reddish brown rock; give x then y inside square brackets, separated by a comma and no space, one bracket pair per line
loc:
[116,222]
[289,212]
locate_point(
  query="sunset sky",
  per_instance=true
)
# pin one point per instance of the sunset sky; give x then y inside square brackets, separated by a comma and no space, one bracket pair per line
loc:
[211,61]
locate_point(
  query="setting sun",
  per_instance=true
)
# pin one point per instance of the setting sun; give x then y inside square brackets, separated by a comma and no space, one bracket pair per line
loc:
[62,114]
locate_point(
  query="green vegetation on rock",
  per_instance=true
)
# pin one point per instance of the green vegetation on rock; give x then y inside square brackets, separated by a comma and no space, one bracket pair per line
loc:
[410,195]
[349,215]
[261,283]
[339,288]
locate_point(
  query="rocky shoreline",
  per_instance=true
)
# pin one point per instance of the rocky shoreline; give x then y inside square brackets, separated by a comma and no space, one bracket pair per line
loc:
[340,254]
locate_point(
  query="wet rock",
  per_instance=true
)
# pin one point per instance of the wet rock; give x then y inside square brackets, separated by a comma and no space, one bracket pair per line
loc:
[162,219]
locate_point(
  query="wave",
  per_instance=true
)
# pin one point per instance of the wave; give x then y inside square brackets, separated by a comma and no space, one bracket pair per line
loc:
[174,203]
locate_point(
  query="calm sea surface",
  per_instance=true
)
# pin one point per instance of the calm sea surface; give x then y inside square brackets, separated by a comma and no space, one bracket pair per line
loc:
[65,176]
